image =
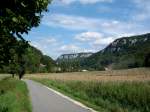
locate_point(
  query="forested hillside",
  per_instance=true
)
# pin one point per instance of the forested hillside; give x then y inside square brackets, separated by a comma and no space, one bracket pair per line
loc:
[35,62]
[126,52]
[71,62]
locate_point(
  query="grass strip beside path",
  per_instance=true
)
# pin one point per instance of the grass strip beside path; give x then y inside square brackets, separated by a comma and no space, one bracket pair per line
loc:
[14,96]
[106,96]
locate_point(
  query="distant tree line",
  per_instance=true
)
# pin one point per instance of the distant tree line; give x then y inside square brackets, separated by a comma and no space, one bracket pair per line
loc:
[69,65]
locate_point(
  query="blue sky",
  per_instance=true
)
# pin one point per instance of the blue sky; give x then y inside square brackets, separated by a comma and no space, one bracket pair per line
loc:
[73,26]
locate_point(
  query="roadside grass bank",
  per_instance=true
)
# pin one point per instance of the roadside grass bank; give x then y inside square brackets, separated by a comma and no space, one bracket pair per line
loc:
[14,96]
[105,96]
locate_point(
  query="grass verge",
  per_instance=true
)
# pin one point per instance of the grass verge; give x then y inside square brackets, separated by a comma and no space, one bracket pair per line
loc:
[106,96]
[14,96]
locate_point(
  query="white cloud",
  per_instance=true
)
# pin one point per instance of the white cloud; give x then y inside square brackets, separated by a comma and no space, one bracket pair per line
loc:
[47,45]
[43,41]
[67,2]
[95,39]
[71,48]
[104,41]
[88,36]
[72,22]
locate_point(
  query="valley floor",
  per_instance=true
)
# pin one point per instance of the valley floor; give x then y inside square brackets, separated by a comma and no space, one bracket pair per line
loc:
[137,74]
[104,91]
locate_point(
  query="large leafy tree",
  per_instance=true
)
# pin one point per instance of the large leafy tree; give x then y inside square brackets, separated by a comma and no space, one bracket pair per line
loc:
[16,18]
[19,16]
[7,46]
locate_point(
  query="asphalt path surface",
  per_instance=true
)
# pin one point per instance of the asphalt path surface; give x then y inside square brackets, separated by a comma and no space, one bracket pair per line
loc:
[46,100]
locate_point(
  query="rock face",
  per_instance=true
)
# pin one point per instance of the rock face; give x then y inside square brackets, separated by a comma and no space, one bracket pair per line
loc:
[126,42]
[74,56]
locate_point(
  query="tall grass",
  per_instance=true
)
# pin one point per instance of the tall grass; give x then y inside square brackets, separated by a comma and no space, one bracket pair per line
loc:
[137,74]
[14,96]
[106,96]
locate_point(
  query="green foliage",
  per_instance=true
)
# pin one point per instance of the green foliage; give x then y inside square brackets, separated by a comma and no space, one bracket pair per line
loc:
[12,53]
[48,62]
[7,48]
[32,61]
[14,96]
[16,18]
[72,62]
[20,16]
[106,96]
[37,62]
[71,65]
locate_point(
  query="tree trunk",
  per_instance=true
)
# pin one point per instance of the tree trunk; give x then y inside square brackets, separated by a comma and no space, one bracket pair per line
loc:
[22,72]
[147,60]
[20,76]
[13,75]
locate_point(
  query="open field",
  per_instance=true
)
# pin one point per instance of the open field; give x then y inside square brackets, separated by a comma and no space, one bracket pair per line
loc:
[106,91]
[140,74]
[14,96]
[2,76]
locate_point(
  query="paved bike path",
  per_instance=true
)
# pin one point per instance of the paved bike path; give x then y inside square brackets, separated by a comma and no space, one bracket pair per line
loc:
[46,100]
